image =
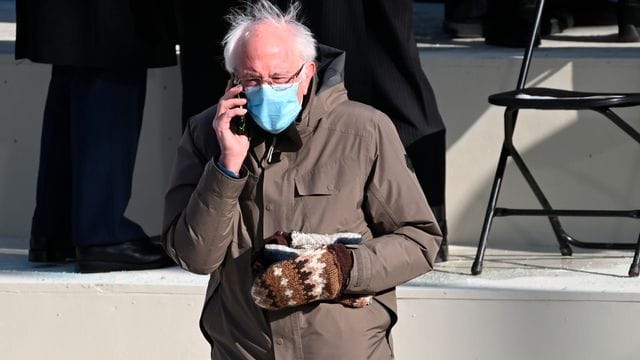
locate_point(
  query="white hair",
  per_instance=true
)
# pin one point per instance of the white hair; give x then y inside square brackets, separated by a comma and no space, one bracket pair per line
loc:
[243,20]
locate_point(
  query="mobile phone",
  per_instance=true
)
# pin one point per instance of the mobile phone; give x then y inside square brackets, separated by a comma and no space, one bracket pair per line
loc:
[239,123]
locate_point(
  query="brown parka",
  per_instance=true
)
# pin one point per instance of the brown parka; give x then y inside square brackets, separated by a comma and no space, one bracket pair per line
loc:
[350,174]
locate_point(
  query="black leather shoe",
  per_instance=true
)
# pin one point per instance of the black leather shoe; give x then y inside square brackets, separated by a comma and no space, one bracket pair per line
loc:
[44,249]
[628,21]
[142,254]
[443,252]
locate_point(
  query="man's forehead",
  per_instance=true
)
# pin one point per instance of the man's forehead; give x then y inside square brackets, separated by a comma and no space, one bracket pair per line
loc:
[263,57]
[267,68]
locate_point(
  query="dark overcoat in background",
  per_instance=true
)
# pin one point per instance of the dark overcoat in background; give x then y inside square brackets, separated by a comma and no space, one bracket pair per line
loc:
[96,33]
[382,63]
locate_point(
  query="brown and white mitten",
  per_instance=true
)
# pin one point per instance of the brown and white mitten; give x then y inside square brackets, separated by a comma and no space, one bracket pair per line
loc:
[314,275]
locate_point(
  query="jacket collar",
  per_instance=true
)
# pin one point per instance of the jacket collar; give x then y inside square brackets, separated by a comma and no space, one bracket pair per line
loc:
[327,89]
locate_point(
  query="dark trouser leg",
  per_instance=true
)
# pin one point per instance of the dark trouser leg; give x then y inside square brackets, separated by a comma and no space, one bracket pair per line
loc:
[106,118]
[51,224]
[463,18]
[428,156]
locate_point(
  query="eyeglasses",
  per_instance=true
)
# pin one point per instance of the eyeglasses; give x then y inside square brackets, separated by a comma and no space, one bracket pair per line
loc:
[283,82]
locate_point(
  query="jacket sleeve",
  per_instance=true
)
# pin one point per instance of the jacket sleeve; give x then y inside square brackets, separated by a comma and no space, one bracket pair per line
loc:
[201,209]
[406,234]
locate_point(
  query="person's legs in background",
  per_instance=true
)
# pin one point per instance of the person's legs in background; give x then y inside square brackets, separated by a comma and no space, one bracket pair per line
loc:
[463,18]
[51,224]
[90,137]
[106,118]
[508,22]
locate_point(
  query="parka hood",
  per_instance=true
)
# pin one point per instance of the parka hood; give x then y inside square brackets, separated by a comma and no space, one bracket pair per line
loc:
[327,88]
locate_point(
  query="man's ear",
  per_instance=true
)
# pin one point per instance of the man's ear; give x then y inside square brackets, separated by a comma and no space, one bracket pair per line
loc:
[309,71]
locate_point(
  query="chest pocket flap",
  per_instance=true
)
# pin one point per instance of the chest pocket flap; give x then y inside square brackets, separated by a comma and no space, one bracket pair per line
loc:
[315,184]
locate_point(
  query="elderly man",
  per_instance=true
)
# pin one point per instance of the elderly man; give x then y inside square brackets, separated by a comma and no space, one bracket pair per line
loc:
[298,202]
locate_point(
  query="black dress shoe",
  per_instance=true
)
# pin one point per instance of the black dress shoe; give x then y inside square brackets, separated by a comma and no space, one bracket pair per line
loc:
[141,254]
[45,249]
[443,252]
[628,21]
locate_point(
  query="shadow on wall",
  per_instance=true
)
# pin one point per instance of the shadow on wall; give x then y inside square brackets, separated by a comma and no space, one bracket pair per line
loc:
[23,88]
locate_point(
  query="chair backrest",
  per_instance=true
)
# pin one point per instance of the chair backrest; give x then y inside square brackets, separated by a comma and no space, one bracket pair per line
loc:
[526,60]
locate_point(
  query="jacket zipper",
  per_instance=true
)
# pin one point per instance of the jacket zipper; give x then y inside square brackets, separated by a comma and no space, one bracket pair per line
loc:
[270,151]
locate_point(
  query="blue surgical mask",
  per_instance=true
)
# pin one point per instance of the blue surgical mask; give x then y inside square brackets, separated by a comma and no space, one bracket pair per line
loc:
[273,107]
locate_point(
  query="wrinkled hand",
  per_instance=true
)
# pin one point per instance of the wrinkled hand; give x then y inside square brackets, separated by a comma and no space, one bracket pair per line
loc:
[233,147]
[313,276]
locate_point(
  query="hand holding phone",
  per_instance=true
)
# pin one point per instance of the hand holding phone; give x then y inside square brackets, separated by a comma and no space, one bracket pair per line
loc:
[228,125]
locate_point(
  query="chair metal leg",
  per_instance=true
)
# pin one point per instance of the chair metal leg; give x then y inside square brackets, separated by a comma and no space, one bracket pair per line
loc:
[476,268]
[510,116]
[561,235]
[633,270]
[620,123]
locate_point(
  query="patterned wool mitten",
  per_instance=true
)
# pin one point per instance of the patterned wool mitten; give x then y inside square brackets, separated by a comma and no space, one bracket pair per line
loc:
[314,275]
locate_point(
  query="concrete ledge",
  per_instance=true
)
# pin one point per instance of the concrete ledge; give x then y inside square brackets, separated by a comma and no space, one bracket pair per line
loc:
[525,305]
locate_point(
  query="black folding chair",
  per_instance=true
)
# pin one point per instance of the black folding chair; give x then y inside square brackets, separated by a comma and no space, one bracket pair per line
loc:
[552,99]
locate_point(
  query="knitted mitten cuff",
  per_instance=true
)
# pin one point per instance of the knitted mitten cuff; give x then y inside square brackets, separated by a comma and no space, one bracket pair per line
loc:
[285,246]
[300,240]
[344,260]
